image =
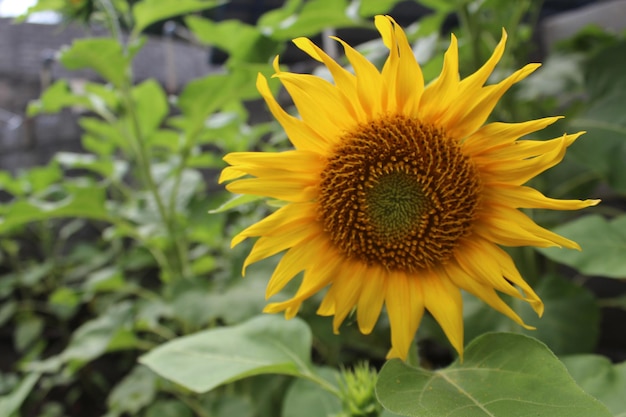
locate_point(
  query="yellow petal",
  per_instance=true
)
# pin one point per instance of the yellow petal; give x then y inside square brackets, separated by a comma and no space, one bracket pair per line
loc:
[401,70]
[510,227]
[318,274]
[293,214]
[405,308]
[470,111]
[443,299]
[526,149]
[519,172]
[495,135]
[346,291]
[320,104]
[479,78]
[300,134]
[288,162]
[371,299]
[231,173]
[525,197]
[442,92]
[344,80]
[295,190]
[292,262]
[490,265]
[370,84]
[267,246]
[483,292]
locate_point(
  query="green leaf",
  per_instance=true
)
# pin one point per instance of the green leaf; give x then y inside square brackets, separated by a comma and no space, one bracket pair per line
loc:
[306,19]
[150,105]
[83,202]
[168,408]
[28,330]
[601,379]
[64,302]
[134,392]
[43,5]
[147,12]
[110,331]
[11,402]
[236,201]
[107,168]
[241,41]
[205,95]
[373,7]
[307,399]
[603,148]
[95,337]
[603,244]
[503,375]
[103,55]
[205,360]
[56,97]
[103,137]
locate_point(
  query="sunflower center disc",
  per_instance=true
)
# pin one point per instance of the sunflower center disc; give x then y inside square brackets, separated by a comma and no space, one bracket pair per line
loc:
[398,193]
[394,204]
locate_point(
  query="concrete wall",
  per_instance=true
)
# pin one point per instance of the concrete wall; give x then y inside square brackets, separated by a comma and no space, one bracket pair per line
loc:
[23,50]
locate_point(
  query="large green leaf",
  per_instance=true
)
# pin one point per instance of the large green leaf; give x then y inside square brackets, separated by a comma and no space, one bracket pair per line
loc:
[600,378]
[147,12]
[603,244]
[503,375]
[103,55]
[264,344]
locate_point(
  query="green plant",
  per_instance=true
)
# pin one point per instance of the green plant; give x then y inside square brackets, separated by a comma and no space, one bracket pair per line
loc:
[120,294]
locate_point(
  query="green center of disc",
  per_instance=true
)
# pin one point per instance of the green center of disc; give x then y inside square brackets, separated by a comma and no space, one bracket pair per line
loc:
[395,204]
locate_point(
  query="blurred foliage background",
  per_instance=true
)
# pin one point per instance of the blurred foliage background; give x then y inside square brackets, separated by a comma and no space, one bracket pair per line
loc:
[108,257]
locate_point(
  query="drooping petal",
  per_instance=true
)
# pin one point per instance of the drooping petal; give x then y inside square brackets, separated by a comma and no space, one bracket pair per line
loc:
[269,226]
[346,292]
[483,291]
[443,300]
[405,308]
[267,246]
[371,300]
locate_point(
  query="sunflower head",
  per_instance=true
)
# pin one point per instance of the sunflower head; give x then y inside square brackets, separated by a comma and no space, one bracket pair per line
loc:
[399,194]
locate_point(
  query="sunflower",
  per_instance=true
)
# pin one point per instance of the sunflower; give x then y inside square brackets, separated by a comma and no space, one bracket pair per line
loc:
[397,193]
